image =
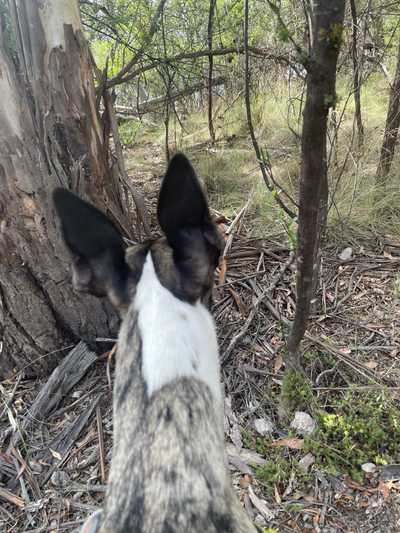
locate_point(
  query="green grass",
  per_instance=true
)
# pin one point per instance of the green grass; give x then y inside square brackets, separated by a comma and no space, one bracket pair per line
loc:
[231,171]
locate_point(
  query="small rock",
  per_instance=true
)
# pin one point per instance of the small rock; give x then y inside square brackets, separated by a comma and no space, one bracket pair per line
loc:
[303,423]
[306,461]
[263,426]
[260,521]
[59,478]
[346,254]
[238,464]
[368,468]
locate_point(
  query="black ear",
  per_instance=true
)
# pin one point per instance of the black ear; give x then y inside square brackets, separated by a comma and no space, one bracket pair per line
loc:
[96,245]
[181,202]
[184,217]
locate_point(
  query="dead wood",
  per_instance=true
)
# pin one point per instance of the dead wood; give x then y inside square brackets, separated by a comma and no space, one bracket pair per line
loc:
[69,372]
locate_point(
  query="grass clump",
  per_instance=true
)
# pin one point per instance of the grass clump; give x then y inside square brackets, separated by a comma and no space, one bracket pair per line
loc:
[276,471]
[355,429]
[279,468]
[296,392]
[129,131]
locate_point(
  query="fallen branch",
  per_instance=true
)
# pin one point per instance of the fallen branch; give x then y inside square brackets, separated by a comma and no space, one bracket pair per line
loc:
[151,105]
[71,370]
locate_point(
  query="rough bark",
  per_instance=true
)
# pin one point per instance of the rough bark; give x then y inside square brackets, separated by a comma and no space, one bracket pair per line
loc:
[50,135]
[327,31]
[391,127]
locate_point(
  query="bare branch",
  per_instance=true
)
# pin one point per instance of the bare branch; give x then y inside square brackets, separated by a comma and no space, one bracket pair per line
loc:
[265,167]
[149,37]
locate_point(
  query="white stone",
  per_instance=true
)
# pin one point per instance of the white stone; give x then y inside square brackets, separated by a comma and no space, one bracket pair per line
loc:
[303,423]
[263,426]
[346,254]
[368,468]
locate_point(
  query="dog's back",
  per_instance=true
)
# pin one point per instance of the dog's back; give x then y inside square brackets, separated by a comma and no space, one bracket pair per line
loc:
[168,471]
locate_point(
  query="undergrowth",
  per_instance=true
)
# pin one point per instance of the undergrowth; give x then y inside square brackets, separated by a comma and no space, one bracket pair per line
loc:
[354,428]
[232,175]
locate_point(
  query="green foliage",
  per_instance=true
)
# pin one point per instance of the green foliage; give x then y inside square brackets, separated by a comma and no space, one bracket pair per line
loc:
[296,392]
[278,469]
[275,471]
[283,33]
[290,227]
[356,428]
[128,131]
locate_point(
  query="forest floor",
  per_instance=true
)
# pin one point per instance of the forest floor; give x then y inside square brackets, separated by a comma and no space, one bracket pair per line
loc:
[342,475]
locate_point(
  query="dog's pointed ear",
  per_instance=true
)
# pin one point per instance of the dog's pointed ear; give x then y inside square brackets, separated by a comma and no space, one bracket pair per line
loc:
[98,257]
[182,202]
[184,217]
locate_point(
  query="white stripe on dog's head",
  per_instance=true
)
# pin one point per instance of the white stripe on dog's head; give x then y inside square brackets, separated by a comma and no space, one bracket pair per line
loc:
[178,338]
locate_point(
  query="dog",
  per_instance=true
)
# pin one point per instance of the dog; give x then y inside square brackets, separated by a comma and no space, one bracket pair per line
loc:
[168,471]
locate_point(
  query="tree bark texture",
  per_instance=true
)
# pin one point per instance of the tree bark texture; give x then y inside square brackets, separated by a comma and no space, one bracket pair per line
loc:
[327,34]
[50,135]
[391,127]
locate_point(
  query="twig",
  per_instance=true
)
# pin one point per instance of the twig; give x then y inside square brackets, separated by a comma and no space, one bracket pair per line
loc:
[265,167]
[11,498]
[101,444]
[69,372]
[253,311]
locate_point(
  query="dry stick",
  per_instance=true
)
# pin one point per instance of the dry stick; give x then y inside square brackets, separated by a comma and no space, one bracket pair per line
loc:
[234,224]
[101,444]
[210,70]
[11,498]
[264,167]
[151,105]
[149,36]
[64,442]
[356,74]
[320,96]
[256,304]
[354,365]
[8,402]
[71,369]
[24,492]
[260,52]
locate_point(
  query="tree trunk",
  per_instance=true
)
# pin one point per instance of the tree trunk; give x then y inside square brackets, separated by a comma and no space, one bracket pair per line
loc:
[327,33]
[210,70]
[356,75]
[50,135]
[391,127]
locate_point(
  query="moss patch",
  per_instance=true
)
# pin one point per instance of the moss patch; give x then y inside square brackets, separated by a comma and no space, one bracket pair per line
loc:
[357,428]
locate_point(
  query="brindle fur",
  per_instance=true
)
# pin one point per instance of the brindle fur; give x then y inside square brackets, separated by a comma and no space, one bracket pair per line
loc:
[168,470]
